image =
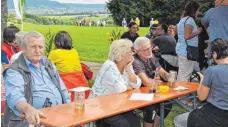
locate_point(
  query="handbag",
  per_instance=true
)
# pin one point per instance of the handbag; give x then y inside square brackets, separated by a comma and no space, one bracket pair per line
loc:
[87,71]
[192,52]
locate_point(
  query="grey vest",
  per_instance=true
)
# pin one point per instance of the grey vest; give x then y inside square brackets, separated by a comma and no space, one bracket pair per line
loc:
[10,119]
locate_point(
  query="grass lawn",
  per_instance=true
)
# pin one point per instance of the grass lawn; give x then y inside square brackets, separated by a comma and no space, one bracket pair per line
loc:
[91,42]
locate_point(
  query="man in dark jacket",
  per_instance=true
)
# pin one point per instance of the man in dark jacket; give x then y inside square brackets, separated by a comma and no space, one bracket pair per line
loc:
[132,32]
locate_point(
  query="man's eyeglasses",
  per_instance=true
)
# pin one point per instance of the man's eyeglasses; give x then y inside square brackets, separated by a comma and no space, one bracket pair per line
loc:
[148,49]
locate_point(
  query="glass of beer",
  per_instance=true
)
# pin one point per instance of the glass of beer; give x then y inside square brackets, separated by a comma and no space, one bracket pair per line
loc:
[79,100]
[172,78]
[154,86]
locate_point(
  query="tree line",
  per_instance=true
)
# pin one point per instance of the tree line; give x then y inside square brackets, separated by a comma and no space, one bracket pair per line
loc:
[166,11]
[35,19]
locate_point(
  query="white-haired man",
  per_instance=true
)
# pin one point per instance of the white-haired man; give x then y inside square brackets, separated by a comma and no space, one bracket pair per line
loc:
[19,42]
[145,65]
[31,82]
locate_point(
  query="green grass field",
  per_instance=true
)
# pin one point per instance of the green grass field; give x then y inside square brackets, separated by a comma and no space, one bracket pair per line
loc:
[91,42]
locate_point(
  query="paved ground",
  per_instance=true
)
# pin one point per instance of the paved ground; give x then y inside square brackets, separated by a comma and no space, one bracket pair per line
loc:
[95,67]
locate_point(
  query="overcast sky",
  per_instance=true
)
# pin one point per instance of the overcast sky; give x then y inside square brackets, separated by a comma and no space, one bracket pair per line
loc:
[83,1]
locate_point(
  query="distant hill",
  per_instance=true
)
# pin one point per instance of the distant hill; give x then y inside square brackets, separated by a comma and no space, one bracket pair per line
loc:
[56,5]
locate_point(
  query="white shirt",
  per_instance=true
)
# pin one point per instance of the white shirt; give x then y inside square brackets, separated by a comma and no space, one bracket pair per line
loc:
[15,56]
[109,80]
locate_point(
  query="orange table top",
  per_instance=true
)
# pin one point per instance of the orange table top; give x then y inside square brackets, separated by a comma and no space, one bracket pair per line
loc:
[106,106]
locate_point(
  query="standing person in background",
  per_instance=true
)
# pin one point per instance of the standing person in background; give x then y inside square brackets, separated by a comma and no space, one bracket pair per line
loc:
[8,48]
[98,23]
[187,33]
[131,34]
[67,62]
[103,23]
[216,19]
[90,22]
[203,36]
[84,22]
[137,21]
[124,23]
[151,22]
[132,20]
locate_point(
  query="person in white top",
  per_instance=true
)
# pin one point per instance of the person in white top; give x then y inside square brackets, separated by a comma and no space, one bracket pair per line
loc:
[19,36]
[151,22]
[117,76]
[124,23]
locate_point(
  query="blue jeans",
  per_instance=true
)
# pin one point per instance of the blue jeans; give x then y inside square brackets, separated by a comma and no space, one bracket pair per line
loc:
[128,119]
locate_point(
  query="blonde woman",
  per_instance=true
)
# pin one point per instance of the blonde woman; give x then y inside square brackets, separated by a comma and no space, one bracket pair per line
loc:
[117,76]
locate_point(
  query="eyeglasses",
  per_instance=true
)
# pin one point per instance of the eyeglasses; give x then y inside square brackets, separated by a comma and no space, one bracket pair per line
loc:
[148,49]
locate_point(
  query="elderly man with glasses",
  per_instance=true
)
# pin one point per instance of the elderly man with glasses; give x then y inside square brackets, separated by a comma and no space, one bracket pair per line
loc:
[145,65]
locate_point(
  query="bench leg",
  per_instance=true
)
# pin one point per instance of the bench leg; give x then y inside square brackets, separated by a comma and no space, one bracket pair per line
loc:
[162,114]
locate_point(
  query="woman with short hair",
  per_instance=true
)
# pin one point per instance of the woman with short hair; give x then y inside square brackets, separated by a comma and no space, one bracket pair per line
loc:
[67,62]
[117,76]
[213,89]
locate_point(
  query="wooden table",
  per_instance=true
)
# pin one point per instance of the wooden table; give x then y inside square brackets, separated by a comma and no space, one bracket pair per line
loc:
[106,106]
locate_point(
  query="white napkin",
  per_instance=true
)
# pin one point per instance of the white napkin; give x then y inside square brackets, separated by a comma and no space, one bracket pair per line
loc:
[142,96]
[180,88]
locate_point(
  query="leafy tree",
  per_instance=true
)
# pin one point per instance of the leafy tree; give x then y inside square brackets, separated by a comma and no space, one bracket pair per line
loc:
[166,11]
[4,15]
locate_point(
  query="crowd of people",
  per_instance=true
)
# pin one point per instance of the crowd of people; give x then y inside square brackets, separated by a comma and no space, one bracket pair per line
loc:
[90,22]
[33,81]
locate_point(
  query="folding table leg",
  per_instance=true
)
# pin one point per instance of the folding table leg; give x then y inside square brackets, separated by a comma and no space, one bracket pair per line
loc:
[195,100]
[162,114]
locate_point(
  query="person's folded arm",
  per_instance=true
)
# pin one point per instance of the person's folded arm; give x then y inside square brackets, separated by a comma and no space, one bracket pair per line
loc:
[135,81]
